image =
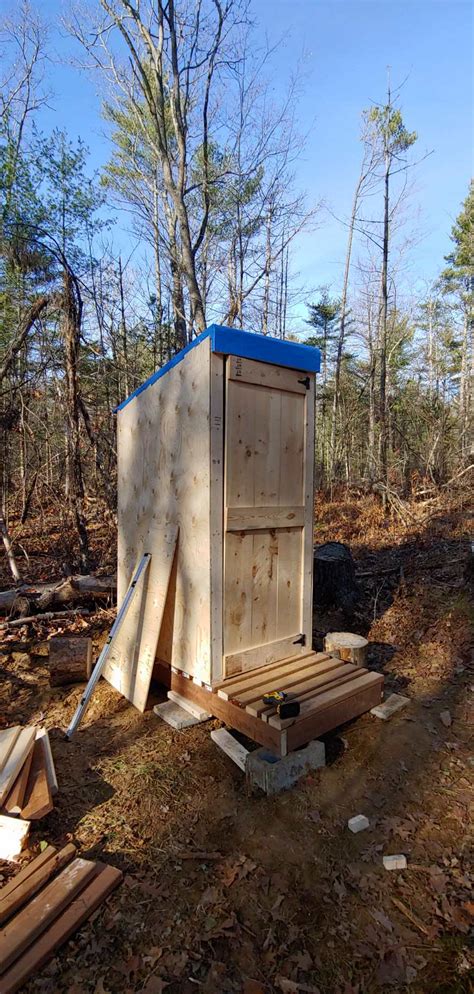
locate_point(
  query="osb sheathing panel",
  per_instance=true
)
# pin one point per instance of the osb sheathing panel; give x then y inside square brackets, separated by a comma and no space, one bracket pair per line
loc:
[164,477]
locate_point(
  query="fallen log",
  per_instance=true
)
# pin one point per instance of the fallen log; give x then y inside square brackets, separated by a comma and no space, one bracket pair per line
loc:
[47,616]
[74,588]
[70,660]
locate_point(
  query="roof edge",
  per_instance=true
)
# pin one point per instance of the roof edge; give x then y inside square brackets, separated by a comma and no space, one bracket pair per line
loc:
[249,345]
[265,348]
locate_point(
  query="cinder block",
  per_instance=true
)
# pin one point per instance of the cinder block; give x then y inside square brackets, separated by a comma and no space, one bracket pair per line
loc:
[358,823]
[395,862]
[273,774]
[175,716]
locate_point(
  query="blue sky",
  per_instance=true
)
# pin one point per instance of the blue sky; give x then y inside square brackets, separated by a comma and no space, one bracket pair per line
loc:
[344,48]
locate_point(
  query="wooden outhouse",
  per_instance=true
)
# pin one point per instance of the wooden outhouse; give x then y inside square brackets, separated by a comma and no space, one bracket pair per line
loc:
[215,480]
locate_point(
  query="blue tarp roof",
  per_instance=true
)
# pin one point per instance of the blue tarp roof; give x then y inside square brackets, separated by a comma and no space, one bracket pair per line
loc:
[250,345]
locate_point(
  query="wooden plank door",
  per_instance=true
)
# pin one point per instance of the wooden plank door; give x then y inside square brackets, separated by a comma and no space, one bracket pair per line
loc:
[268,513]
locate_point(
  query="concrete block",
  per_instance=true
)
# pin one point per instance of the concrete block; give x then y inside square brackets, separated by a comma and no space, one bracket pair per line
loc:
[393,703]
[193,709]
[175,715]
[358,823]
[273,774]
[395,862]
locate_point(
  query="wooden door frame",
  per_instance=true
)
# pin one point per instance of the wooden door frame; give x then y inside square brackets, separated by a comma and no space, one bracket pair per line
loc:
[218,379]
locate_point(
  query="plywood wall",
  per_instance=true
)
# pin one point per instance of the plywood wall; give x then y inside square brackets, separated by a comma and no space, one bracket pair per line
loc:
[164,476]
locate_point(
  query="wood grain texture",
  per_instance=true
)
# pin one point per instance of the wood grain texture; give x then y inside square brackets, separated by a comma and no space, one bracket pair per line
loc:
[320,722]
[216,553]
[105,880]
[26,871]
[8,737]
[38,800]
[328,697]
[164,469]
[70,660]
[268,490]
[261,655]
[43,909]
[309,489]
[42,733]
[245,518]
[303,684]
[265,374]
[290,675]
[229,688]
[11,903]
[227,712]
[15,760]
[14,802]
[129,666]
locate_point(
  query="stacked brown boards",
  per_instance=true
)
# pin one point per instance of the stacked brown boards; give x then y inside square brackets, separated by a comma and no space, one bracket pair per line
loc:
[43,905]
[27,775]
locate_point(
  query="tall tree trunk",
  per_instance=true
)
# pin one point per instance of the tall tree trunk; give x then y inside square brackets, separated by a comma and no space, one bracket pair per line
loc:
[268,260]
[382,329]
[342,325]
[71,324]
[177,296]
[371,460]
[123,329]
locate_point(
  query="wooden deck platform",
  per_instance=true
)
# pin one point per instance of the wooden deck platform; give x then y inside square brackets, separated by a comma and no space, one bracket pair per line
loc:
[330,693]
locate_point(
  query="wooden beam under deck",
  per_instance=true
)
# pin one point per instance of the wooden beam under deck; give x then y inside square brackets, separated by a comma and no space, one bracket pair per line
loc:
[231,714]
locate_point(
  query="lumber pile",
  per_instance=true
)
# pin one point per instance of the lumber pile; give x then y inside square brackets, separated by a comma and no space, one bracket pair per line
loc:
[43,905]
[27,778]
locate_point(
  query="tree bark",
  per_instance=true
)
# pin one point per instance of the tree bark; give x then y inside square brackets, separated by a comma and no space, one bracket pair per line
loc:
[26,323]
[70,660]
[334,577]
[71,325]
[74,588]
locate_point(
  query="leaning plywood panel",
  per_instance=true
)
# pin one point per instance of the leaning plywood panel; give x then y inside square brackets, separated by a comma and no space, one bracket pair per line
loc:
[130,664]
[164,476]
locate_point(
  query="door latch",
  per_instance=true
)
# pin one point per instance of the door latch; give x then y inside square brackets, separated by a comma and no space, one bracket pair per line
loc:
[305,382]
[301,640]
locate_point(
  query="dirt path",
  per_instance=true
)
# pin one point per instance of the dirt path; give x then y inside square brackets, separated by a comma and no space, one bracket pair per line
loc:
[229,891]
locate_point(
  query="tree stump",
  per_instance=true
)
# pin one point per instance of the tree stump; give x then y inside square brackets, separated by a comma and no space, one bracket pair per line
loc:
[70,660]
[334,577]
[349,647]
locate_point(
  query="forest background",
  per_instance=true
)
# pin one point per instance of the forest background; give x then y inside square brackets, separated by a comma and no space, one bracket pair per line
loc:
[203,200]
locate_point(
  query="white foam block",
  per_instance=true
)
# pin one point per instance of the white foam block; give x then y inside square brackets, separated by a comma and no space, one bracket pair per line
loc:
[398,862]
[13,836]
[358,823]
[393,703]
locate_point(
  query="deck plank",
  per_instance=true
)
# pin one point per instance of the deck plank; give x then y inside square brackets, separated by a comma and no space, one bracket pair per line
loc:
[314,683]
[273,677]
[325,700]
